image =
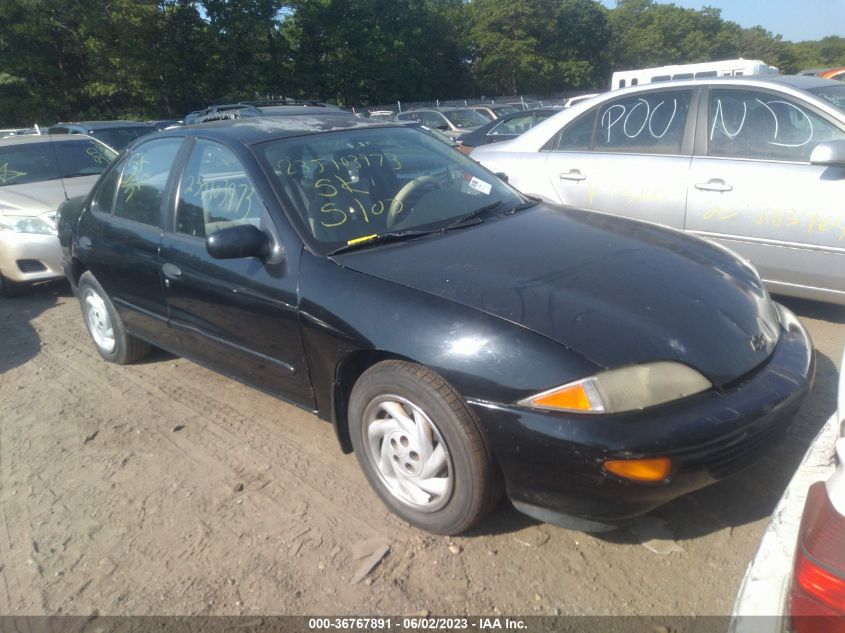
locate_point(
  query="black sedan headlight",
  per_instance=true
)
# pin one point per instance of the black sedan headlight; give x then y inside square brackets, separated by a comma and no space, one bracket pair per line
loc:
[625,389]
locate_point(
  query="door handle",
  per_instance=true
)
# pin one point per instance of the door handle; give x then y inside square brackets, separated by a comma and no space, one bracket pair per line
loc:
[171,271]
[85,243]
[716,184]
[573,174]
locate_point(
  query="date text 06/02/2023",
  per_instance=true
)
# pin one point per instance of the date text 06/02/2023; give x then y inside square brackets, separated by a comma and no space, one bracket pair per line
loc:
[417,623]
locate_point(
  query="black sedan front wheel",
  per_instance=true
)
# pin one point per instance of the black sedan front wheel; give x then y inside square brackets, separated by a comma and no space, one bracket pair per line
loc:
[420,448]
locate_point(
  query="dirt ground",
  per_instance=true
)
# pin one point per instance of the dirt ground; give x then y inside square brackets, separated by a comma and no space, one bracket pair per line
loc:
[163,488]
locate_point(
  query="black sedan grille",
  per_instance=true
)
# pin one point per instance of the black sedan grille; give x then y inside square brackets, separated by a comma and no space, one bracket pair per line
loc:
[746,449]
[31,266]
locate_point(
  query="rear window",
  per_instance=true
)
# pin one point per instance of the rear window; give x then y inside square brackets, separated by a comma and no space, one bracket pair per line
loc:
[37,162]
[835,95]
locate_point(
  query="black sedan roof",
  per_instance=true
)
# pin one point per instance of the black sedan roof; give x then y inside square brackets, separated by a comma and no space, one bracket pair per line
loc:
[103,125]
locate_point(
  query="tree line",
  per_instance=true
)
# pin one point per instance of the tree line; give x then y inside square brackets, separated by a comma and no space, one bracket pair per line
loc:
[85,59]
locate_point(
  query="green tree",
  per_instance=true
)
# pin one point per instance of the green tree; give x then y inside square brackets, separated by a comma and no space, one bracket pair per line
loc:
[583,44]
[375,51]
[512,45]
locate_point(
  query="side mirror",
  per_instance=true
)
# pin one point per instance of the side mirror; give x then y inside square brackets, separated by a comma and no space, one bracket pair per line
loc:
[829,154]
[502,176]
[442,126]
[235,242]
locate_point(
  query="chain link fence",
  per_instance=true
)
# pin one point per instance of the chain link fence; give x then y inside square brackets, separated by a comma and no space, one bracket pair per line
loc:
[526,102]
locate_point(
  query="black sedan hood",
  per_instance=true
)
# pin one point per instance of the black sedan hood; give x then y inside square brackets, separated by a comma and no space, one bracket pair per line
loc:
[617,291]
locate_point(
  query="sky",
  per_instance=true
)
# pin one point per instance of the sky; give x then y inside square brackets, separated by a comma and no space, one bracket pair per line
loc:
[795,20]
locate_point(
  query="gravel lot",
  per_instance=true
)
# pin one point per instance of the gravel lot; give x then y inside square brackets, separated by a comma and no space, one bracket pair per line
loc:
[163,488]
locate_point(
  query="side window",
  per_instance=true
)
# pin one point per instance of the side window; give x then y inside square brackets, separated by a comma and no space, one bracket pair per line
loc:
[516,125]
[104,198]
[750,124]
[433,120]
[215,192]
[578,135]
[143,181]
[651,123]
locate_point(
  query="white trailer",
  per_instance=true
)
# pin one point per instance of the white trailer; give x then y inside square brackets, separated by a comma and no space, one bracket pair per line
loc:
[724,68]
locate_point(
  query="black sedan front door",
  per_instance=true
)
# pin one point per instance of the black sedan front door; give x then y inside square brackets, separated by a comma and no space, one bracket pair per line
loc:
[236,316]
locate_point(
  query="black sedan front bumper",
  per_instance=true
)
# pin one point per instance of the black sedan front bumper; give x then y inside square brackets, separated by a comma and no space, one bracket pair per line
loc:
[552,462]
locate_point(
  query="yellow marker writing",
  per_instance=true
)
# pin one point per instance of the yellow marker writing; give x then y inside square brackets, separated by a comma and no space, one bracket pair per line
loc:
[361,239]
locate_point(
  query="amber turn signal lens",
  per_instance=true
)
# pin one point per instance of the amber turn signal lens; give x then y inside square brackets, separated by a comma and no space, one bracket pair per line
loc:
[572,398]
[655,469]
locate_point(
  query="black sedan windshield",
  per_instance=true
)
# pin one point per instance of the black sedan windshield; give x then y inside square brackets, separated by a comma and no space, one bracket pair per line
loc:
[366,182]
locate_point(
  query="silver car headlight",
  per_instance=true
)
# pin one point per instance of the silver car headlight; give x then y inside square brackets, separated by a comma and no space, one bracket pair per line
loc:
[626,389]
[40,225]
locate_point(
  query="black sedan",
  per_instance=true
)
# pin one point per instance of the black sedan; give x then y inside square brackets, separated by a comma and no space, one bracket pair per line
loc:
[506,127]
[464,340]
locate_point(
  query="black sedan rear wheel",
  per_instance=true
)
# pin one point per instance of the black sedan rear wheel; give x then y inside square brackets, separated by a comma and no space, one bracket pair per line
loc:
[105,325]
[420,448]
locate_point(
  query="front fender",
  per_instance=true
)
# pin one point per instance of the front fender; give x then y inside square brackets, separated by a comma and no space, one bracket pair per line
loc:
[484,357]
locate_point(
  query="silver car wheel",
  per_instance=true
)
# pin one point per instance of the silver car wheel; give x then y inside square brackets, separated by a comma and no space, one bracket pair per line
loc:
[99,321]
[408,453]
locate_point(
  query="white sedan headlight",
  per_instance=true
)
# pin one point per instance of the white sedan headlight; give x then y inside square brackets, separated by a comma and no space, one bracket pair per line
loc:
[41,225]
[626,389]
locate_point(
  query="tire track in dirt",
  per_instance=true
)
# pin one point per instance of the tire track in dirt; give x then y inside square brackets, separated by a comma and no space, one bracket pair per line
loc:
[223,442]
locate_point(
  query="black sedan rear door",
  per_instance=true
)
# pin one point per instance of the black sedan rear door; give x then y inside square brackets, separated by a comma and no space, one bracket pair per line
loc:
[119,237]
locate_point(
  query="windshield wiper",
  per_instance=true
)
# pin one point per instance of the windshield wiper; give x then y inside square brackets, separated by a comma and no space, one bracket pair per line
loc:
[470,218]
[382,238]
[525,205]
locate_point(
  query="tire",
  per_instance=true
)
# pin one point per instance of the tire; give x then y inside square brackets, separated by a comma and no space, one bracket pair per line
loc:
[420,448]
[105,326]
[10,288]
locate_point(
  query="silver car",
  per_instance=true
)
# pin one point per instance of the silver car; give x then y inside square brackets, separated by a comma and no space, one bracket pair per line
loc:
[37,173]
[452,121]
[757,164]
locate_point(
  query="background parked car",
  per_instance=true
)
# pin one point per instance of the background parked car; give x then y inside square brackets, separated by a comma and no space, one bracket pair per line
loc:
[756,164]
[37,173]
[493,111]
[163,124]
[798,572]
[282,107]
[571,101]
[116,134]
[454,122]
[507,127]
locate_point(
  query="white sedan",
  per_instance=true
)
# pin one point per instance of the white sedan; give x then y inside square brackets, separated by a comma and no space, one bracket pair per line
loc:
[755,163]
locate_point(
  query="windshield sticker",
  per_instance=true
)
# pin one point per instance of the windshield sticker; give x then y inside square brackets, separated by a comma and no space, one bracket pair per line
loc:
[480,185]
[8,175]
